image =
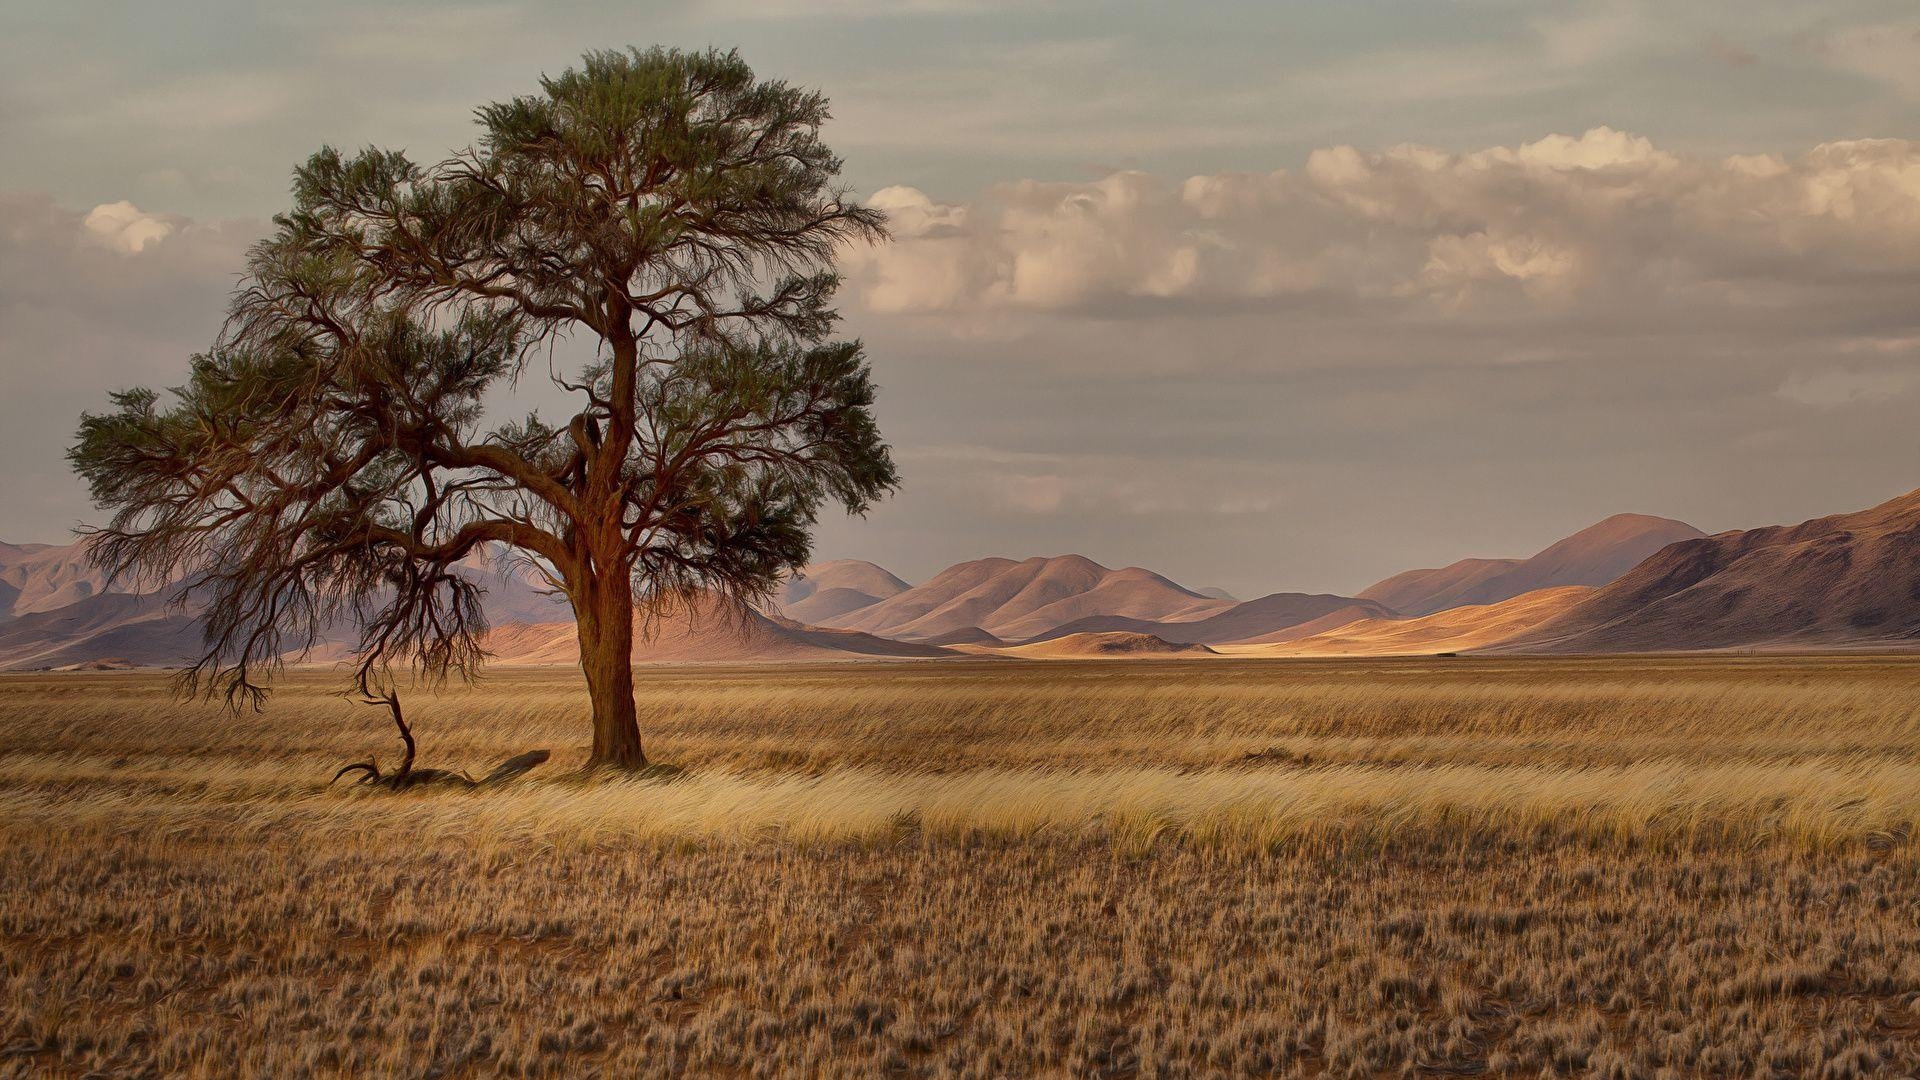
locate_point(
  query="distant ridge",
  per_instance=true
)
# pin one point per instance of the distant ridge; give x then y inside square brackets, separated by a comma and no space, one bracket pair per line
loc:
[707,633]
[1269,618]
[1097,646]
[530,625]
[1595,555]
[966,635]
[829,590]
[1454,630]
[1018,600]
[36,578]
[148,631]
[1845,581]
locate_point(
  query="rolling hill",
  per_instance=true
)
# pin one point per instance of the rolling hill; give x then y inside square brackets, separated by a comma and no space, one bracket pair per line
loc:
[1016,600]
[1595,556]
[1842,582]
[829,590]
[969,635]
[44,577]
[1453,630]
[146,631]
[1116,645]
[1849,581]
[59,611]
[707,634]
[1274,617]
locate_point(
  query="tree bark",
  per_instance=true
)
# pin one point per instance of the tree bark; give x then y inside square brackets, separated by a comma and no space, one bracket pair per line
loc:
[605,623]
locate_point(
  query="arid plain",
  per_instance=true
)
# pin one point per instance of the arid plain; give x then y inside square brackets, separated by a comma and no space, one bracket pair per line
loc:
[1420,867]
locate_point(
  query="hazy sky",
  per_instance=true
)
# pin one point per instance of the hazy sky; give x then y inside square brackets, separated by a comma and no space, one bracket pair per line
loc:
[1261,295]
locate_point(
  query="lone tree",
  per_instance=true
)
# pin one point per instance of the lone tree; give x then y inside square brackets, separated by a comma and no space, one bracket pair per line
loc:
[326,463]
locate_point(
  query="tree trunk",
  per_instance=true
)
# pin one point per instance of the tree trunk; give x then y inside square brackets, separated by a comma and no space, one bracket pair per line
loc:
[606,655]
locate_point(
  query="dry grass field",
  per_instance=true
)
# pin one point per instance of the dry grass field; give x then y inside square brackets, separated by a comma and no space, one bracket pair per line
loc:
[1399,868]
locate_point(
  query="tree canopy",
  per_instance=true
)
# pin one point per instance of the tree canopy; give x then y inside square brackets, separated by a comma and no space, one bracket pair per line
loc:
[330,461]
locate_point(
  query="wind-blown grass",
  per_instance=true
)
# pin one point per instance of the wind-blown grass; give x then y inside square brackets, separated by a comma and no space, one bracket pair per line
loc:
[1624,868]
[1816,804]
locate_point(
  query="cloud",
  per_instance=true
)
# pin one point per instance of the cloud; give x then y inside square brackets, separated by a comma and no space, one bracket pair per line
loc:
[1332,366]
[1573,226]
[1303,378]
[92,301]
[124,227]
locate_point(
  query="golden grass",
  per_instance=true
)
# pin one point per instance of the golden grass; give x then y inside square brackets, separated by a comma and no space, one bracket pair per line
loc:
[1824,803]
[1213,868]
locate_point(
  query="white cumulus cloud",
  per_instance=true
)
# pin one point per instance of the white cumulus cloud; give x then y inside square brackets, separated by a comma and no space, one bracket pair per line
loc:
[1602,224]
[124,227]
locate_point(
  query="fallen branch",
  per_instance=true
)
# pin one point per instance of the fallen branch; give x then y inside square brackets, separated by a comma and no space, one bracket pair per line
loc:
[407,776]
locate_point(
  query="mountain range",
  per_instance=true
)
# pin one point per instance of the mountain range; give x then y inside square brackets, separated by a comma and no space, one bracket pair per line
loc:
[1017,601]
[832,589]
[1850,581]
[37,578]
[1630,583]
[1453,630]
[1593,556]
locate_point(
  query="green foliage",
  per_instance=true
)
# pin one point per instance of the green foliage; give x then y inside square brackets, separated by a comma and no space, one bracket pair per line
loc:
[325,463]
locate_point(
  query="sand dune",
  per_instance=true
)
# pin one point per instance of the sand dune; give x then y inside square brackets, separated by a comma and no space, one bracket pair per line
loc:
[1098,646]
[966,635]
[44,577]
[1269,618]
[1132,591]
[144,630]
[1016,600]
[833,589]
[1422,592]
[1595,555]
[942,590]
[39,578]
[1847,581]
[1453,630]
[826,604]
[531,624]
[1341,616]
[705,634]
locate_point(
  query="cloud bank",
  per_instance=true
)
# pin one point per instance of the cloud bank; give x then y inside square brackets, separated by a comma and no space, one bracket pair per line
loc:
[1304,378]
[1563,228]
[1385,345]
